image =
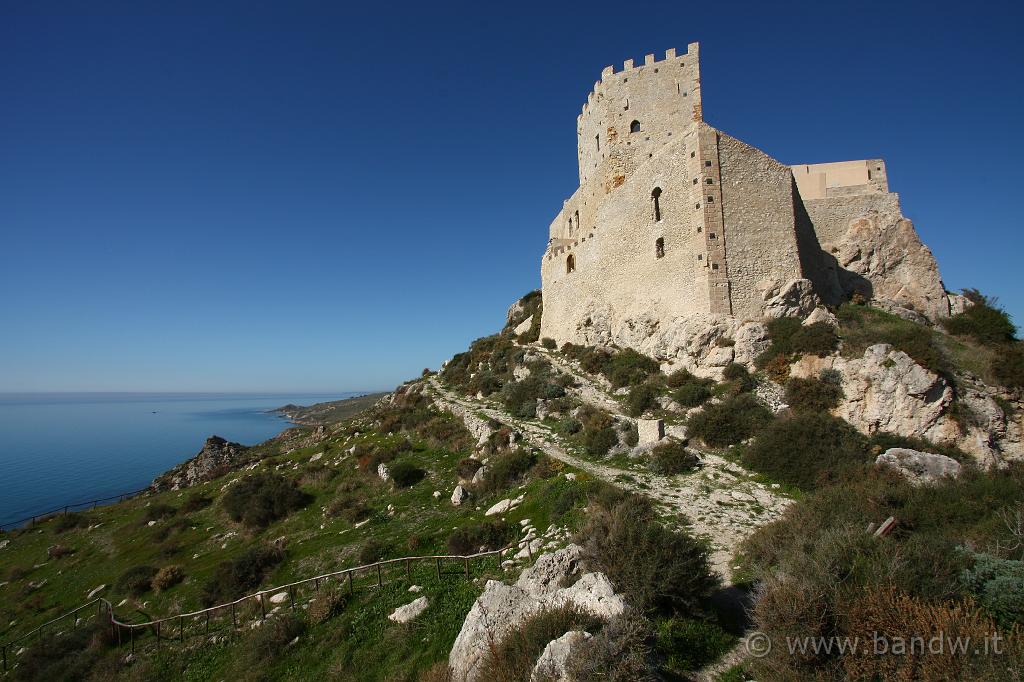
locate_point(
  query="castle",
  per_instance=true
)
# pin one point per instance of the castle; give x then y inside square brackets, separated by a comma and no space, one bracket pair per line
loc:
[675,221]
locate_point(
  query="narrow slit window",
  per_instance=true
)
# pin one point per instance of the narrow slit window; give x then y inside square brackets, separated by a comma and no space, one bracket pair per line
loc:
[659,248]
[570,264]
[597,140]
[656,198]
[634,127]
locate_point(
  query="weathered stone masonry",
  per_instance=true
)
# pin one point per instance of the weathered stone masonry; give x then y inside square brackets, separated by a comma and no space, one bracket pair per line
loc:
[675,220]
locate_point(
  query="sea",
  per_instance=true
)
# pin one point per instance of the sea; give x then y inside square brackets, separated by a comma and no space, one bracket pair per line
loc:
[60,449]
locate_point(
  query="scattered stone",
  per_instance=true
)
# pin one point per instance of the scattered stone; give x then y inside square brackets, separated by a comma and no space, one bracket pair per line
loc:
[478,477]
[499,508]
[551,664]
[279,598]
[415,588]
[570,476]
[437,494]
[4,543]
[404,614]
[459,495]
[919,468]
[383,471]
[96,591]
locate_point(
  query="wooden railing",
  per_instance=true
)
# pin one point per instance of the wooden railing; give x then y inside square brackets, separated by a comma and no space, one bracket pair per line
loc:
[92,504]
[200,621]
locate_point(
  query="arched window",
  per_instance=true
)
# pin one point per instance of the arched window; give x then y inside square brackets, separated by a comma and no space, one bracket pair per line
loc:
[634,127]
[570,264]
[659,248]
[577,220]
[656,198]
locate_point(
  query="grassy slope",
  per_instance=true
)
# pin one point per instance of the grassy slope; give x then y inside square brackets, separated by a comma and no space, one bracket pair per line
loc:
[360,639]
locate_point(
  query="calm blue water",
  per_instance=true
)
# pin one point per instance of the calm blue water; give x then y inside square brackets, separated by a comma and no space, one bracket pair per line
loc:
[61,448]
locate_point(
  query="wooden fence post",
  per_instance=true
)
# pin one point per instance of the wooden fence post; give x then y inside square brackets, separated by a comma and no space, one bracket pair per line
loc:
[263,607]
[380,579]
[181,628]
[408,569]
[351,590]
[234,618]
[439,568]
[291,596]
[158,637]
[467,568]
[207,624]
[131,635]
[5,658]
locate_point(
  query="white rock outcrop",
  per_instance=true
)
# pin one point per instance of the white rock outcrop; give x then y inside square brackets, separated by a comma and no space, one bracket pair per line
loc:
[459,495]
[409,612]
[502,608]
[550,666]
[919,467]
[795,298]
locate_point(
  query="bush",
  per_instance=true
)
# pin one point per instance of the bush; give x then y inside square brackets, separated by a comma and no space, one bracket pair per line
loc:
[70,521]
[807,449]
[195,502]
[730,421]
[372,551]
[998,586]
[863,327]
[504,470]
[350,503]
[520,397]
[790,338]
[167,577]
[548,343]
[776,367]
[262,498]
[618,653]
[687,645]
[812,395]
[1008,366]
[629,368]
[269,641]
[515,655]
[326,605]
[656,568]
[984,321]
[693,394]
[641,398]
[488,535]
[734,371]
[71,655]
[136,581]
[405,474]
[235,577]
[158,512]
[672,458]
[600,441]
[467,468]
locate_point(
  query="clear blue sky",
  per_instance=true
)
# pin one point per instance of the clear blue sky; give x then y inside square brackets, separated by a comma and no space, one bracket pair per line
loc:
[306,196]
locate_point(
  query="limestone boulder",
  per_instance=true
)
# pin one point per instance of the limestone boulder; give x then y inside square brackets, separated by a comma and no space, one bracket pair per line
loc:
[821,314]
[919,467]
[795,298]
[551,666]
[502,608]
[409,612]
[459,495]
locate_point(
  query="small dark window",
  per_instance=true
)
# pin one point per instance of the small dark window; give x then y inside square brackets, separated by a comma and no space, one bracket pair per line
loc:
[711,200]
[710,181]
[700,229]
[656,197]
[708,164]
[693,154]
[695,181]
[700,256]
[714,266]
[634,127]
[711,235]
[697,206]
[659,248]
[570,264]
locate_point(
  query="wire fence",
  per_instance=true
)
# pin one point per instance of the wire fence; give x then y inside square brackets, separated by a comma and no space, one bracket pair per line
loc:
[227,616]
[89,504]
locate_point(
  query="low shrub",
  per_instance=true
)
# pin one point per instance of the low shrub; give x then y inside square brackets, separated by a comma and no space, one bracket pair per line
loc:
[195,502]
[520,397]
[70,521]
[693,394]
[790,338]
[136,581]
[504,470]
[350,503]
[776,367]
[167,577]
[629,368]
[687,644]
[600,441]
[269,641]
[70,655]
[233,578]
[619,652]
[984,321]
[863,326]
[485,535]
[657,568]
[568,426]
[641,398]
[629,433]
[731,421]
[998,586]
[158,512]
[405,474]
[812,395]
[672,457]
[326,605]
[1008,366]
[262,498]
[372,551]
[467,468]
[548,343]
[807,449]
[514,656]
[58,551]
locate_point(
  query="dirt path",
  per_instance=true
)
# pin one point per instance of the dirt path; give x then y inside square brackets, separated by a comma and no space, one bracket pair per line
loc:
[719,501]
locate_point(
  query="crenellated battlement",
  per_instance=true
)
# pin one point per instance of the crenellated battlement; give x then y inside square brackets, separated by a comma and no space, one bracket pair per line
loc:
[609,73]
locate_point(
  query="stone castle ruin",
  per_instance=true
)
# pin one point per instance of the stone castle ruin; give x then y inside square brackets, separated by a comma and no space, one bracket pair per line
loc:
[679,233]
